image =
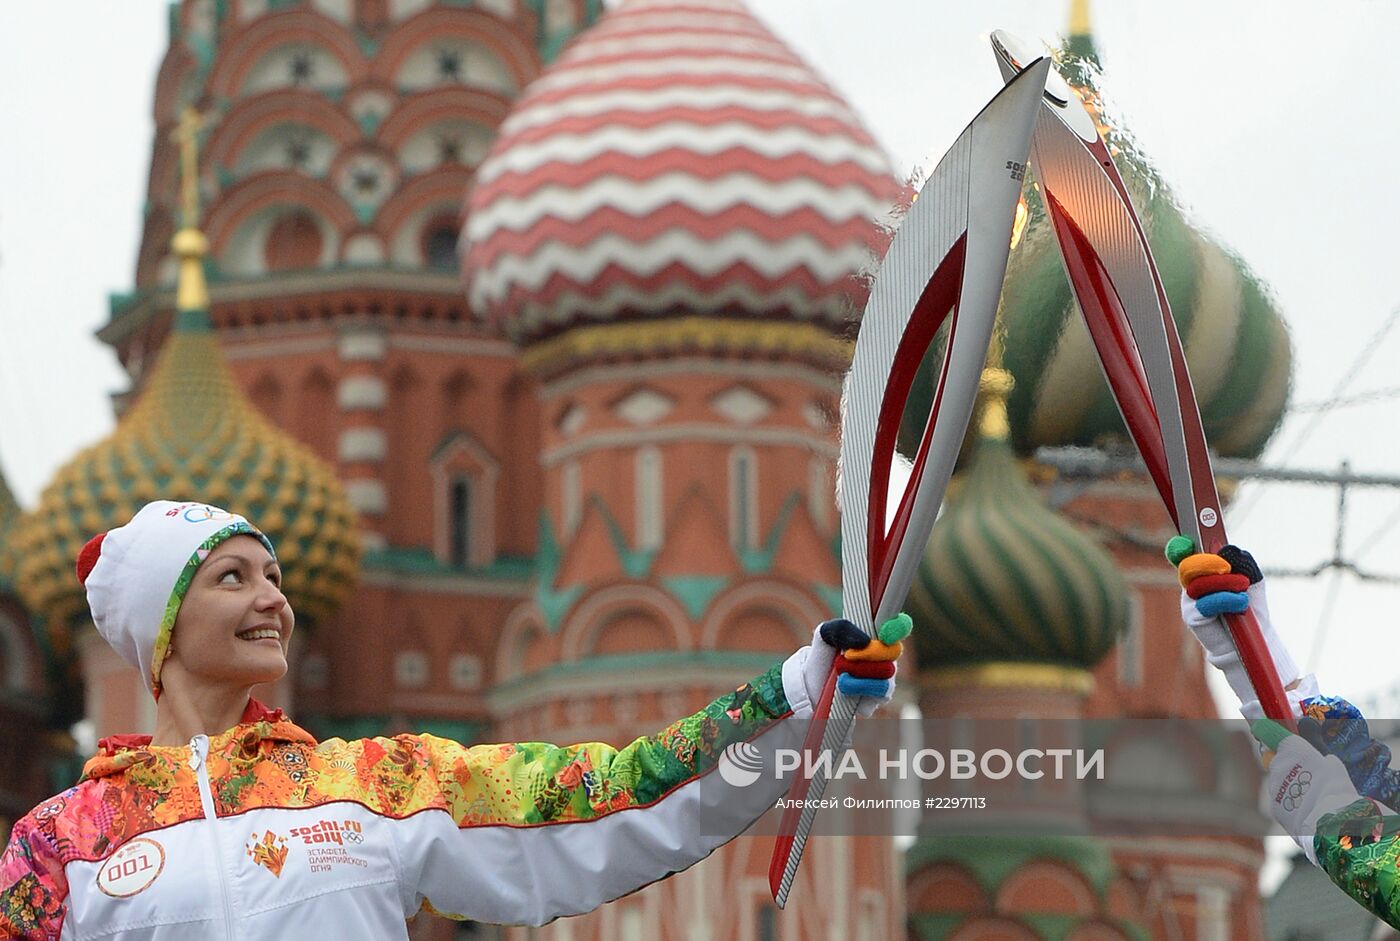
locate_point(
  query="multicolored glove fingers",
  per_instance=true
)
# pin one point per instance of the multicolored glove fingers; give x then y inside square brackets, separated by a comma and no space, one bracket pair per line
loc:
[843,635]
[1242,563]
[866,665]
[1178,548]
[865,669]
[1222,602]
[858,686]
[1202,563]
[1217,582]
[1210,584]
[895,629]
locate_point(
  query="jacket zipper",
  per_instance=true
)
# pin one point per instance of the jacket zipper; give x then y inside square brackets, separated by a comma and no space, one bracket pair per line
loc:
[199,752]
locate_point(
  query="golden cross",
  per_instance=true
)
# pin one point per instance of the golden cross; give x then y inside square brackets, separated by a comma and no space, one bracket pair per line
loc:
[186,137]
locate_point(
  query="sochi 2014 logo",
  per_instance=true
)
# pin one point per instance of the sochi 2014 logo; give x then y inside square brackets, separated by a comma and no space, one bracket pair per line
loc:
[1294,787]
[269,852]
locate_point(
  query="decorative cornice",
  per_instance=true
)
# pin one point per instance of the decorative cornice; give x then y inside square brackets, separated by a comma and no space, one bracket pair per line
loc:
[299,296]
[452,345]
[827,379]
[281,346]
[1007,674]
[687,335]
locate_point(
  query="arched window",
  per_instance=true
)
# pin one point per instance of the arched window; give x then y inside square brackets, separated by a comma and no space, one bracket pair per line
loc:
[293,242]
[649,509]
[743,498]
[459,521]
[440,246]
[766,928]
[464,478]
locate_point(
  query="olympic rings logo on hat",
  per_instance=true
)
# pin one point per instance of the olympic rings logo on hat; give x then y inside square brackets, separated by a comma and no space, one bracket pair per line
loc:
[199,513]
[1295,791]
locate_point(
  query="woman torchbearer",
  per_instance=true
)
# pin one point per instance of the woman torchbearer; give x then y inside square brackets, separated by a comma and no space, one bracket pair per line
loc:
[230,821]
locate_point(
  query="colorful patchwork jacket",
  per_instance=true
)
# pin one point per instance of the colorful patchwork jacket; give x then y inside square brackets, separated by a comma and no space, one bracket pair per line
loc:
[1359,845]
[262,832]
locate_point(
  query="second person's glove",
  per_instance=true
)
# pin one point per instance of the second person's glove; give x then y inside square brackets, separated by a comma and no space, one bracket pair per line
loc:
[1230,582]
[1305,786]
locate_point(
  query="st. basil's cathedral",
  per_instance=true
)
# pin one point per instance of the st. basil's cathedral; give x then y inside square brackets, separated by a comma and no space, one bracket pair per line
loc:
[523,336]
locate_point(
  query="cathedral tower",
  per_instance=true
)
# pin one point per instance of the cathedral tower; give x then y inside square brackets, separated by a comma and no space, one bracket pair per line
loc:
[671,225]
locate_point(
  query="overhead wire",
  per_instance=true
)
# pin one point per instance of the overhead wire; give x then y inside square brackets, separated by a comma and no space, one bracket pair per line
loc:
[1242,508]
[1377,534]
[1336,400]
[1363,398]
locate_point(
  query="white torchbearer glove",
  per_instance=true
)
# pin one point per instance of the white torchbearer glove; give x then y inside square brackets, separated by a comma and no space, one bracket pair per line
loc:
[1203,612]
[1303,784]
[866,665]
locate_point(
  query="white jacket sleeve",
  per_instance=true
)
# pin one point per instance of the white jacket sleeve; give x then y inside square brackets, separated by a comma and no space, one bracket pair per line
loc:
[526,833]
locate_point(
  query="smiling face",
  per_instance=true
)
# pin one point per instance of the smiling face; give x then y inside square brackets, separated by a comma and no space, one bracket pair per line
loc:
[234,623]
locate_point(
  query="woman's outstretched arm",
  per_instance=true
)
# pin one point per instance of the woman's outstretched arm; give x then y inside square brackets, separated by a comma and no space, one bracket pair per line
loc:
[528,832]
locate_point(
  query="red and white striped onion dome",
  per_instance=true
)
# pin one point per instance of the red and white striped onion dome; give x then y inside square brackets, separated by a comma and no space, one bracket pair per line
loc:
[677,159]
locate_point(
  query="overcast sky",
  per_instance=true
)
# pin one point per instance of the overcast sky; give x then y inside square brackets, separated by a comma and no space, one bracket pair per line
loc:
[1275,123]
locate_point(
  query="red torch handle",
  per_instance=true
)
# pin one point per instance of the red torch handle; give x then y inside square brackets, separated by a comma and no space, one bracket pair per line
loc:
[811,745]
[1259,665]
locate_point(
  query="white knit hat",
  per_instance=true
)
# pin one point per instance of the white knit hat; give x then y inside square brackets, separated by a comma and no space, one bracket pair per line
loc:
[136,575]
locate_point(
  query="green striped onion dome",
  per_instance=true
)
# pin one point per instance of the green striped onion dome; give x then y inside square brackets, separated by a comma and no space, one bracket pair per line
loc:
[1237,346]
[1005,579]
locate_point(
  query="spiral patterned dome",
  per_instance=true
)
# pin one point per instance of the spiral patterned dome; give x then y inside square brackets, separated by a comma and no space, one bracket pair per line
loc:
[1005,579]
[678,158]
[190,435]
[1236,344]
